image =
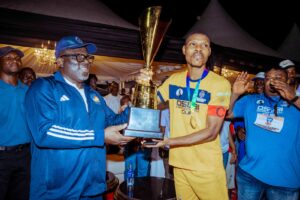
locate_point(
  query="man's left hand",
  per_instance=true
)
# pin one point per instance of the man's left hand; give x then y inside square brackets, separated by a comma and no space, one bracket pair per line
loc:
[284,89]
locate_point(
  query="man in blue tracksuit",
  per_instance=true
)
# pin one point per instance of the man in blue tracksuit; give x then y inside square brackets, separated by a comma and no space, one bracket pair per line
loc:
[68,121]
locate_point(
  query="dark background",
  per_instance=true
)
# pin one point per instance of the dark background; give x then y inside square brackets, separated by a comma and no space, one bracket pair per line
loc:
[267,21]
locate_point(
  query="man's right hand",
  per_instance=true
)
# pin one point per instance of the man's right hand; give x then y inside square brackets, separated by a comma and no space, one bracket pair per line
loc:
[239,87]
[144,76]
[241,84]
[113,136]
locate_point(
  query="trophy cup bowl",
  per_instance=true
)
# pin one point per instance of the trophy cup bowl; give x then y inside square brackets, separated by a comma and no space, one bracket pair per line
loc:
[144,119]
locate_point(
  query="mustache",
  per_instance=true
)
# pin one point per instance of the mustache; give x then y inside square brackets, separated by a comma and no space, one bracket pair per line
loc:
[198,53]
[83,66]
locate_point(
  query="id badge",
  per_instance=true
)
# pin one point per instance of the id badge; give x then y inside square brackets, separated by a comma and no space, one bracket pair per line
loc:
[271,123]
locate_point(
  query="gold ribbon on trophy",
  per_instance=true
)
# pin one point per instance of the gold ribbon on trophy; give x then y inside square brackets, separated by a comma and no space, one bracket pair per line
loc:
[152,32]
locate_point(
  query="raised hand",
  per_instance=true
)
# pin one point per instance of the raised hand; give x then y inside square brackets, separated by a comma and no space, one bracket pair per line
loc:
[285,90]
[113,136]
[241,84]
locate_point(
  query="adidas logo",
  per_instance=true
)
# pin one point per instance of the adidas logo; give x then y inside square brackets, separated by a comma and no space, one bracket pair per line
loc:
[64,98]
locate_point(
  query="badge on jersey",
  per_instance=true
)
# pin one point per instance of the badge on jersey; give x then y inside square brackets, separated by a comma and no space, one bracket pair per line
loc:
[268,122]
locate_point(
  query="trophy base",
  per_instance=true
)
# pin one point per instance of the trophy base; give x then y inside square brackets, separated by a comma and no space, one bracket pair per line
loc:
[143,134]
[143,123]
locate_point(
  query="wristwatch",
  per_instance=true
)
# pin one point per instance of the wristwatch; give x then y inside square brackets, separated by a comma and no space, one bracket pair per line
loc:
[294,99]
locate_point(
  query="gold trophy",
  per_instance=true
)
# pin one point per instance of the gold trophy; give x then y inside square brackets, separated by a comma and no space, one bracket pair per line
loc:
[144,120]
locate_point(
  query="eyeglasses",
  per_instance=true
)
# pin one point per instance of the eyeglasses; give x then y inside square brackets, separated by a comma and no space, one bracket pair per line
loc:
[11,59]
[80,57]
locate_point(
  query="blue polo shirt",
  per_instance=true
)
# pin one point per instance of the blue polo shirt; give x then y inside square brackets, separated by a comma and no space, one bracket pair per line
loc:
[271,157]
[13,127]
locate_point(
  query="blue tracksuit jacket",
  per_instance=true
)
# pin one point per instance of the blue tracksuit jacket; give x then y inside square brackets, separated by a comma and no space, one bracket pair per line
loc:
[68,150]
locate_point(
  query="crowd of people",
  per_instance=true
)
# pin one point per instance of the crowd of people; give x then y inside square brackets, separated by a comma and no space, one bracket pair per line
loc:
[55,130]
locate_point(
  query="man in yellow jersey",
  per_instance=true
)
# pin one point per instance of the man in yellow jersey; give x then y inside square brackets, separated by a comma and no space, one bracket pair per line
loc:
[198,100]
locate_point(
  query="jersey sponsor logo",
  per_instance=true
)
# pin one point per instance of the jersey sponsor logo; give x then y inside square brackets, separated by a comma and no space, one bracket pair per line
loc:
[260,102]
[185,107]
[201,96]
[64,98]
[180,93]
[268,110]
[263,109]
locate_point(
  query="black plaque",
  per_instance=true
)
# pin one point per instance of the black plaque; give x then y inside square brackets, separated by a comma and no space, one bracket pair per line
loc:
[144,123]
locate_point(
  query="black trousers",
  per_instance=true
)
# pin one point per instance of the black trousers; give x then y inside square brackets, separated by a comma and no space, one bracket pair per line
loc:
[15,174]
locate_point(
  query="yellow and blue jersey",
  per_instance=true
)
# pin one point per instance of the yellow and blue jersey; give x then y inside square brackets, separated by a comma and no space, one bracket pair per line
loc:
[212,99]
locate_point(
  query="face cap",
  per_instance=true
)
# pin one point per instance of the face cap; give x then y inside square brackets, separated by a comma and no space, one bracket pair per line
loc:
[6,50]
[286,64]
[73,42]
[259,75]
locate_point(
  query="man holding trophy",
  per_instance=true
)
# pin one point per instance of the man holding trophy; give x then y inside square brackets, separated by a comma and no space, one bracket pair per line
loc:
[198,100]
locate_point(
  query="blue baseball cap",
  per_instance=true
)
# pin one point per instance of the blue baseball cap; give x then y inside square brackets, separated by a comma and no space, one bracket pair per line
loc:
[7,49]
[73,42]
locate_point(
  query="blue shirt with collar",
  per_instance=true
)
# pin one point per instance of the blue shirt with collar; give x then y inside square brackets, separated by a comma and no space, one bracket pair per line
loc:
[271,157]
[13,127]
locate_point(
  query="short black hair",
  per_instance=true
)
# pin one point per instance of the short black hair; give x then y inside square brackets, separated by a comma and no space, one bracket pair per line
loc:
[193,33]
[24,69]
[125,97]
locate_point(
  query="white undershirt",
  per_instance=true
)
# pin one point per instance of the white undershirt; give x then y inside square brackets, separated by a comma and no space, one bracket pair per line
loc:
[81,92]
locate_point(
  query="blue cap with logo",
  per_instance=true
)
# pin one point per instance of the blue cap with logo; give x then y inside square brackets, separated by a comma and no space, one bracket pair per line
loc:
[7,49]
[73,42]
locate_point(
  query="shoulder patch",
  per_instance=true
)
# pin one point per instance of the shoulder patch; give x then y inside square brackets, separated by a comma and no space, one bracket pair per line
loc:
[95,99]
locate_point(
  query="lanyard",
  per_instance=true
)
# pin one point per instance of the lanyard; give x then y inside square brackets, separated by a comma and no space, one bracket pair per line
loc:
[194,98]
[275,106]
